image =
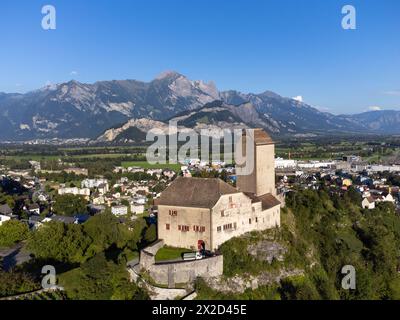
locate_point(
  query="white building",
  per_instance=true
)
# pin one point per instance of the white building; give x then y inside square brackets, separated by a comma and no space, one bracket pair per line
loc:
[368,203]
[382,168]
[4,218]
[137,208]
[93,183]
[103,188]
[169,174]
[281,163]
[75,191]
[119,210]
[98,200]
[316,164]
[135,169]
[140,199]
[385,197]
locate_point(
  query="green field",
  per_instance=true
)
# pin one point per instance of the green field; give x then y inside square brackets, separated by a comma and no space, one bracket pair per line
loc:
[28,157]
[170,253]
[146,165]
[37,157]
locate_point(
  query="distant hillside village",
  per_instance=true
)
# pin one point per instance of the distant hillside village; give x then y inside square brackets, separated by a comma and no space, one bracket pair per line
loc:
[37,195]
[195,206]
[375,183]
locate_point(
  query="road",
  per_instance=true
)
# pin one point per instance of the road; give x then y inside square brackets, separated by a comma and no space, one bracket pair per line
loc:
[14,256]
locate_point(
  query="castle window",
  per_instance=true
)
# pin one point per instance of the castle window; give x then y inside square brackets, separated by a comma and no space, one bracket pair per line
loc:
[167,226]
[219,229]
[235,225]
[199,229]
[222,213]
[183,228]
[228,226]
[249,221]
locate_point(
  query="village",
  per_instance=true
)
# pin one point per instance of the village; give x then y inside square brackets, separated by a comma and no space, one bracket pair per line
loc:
[194,207]
[137,198]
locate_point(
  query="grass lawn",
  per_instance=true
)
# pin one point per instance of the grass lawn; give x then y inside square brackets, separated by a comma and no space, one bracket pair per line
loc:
[99,155]
[144,164]
[170,253]
[33,157]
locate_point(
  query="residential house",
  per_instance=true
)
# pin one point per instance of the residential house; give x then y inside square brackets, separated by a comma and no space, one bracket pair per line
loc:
[35,222]
[385,197]
[103,188]
[169,173]
[5,210]
[63,219]
[93,183]
[368,203]
[137,208]
[4,218]
[77,171]
[34,209]
[119,210]
[75,191]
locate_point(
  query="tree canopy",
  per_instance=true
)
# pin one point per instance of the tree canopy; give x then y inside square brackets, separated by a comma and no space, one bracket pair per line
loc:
[13,231]
[69,205]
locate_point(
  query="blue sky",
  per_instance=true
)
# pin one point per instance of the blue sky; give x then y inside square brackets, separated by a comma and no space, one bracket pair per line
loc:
[292,47]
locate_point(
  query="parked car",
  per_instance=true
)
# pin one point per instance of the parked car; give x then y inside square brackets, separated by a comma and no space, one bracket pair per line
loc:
[192,256]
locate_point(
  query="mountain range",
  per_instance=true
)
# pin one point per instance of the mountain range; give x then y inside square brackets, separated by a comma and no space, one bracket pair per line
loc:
[78,110]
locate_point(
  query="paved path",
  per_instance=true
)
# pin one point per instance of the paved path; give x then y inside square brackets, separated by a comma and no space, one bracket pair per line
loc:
[14,256]
[156,293]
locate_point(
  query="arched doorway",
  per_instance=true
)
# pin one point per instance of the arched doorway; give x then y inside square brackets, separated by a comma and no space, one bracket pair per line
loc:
[201,246]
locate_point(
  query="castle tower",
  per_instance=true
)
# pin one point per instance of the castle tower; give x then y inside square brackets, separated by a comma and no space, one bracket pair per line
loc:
[262,179]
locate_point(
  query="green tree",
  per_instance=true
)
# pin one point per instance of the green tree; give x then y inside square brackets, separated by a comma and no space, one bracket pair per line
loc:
[69,205]
[60,242]
[151,234]
[13,283]
[100,279]
[106,230]
[12,231]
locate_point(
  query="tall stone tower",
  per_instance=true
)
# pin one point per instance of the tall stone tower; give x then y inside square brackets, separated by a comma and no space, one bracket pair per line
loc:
[262,178]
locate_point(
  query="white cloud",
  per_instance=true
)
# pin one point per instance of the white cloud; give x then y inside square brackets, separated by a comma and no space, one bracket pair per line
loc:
[298,98]
[74,73]
[374,108]
[392,93]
